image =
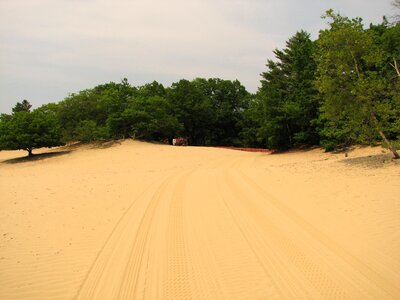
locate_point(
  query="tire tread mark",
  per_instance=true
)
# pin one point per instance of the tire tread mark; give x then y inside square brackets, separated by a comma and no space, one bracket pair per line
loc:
[324,284]
[245,236]
[128,289]
[350,259]
[86,289]
[178,285]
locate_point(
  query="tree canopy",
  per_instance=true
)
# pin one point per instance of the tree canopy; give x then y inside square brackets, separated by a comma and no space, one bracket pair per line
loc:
[23,106]
[354,82]
[28,130]
[284,111]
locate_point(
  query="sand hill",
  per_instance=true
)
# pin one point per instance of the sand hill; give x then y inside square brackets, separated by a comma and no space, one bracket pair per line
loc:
[144,221]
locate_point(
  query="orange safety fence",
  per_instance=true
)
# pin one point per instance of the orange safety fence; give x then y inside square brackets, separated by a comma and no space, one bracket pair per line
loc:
[248,149]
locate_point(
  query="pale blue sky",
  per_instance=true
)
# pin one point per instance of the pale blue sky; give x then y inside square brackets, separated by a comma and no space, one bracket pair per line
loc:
[50,48]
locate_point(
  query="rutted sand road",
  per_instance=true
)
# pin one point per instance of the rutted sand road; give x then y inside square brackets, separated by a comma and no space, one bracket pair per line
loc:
[196,223]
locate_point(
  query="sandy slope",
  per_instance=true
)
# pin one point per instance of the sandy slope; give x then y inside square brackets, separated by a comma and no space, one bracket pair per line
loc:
[142,221]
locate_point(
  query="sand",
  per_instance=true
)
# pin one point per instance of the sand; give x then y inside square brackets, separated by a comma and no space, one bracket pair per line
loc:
[145,221]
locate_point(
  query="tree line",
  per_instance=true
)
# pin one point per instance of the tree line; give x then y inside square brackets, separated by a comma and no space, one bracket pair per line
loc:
[338,90]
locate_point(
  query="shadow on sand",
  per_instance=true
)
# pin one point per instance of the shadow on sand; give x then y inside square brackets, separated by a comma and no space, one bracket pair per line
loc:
[105,144]
[35,157]
[300,149]
[372,161]
[92,145]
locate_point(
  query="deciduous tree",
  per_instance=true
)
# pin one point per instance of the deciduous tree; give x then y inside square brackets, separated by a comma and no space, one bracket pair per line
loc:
[356,101]
[29,130]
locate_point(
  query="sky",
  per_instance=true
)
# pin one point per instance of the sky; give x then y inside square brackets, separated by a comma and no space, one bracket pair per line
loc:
[51,48]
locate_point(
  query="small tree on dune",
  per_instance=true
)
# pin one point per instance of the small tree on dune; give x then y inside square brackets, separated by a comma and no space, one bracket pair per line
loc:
[27,130]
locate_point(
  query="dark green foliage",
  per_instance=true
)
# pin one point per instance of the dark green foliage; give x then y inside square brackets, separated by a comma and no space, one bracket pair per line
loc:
[153,119]
[151,90]
[207,111]
[355,82]
[95,105]
[390,43]
[285,109]
[119,125]
[147,115]
[89,131]
[211,110]
[29,130]
[84,106]
[229,99]
[253,134]
[193,109]
[22,106]
[145,118]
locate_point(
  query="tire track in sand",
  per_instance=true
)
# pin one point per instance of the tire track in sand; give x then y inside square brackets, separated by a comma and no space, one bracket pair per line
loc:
[181,278]
[277,253]
[331,271]
[178,284]
[246,234]
[136,264]
[128,265]
[367,273]
[224,267]
[108,267]
[143,278]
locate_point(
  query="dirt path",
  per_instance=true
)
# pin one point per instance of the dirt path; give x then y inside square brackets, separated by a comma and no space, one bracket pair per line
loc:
[196,223]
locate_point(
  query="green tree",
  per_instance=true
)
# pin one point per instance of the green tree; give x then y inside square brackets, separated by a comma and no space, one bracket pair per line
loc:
[151,90]
[146,118]
[119,124]
[253,132]
[82,106]
[95,105]
[356,101]
[113,98]
[29,130]
[22,106]
[153,119]
[193,109]
[286,106]
[229,99]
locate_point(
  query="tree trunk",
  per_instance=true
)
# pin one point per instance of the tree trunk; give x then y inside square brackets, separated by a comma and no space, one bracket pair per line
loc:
[389,145]
[290,135]
[355,64]
[29,151]
[396,67]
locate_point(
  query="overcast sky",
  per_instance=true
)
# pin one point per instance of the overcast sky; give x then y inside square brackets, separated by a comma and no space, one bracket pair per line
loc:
[50,48]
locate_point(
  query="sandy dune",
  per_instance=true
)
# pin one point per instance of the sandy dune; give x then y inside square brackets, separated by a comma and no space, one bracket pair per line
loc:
[143,221]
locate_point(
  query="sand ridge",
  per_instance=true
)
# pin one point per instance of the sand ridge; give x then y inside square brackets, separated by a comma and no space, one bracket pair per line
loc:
[138,220]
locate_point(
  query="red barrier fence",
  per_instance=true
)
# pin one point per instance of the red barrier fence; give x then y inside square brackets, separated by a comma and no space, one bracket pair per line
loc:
[248,149]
